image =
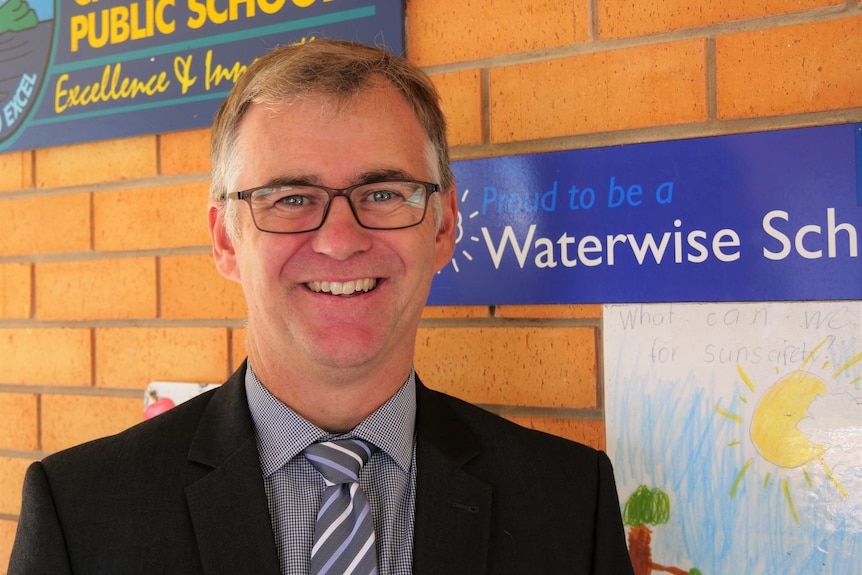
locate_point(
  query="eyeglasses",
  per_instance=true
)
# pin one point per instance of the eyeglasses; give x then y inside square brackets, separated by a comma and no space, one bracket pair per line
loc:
[297,208]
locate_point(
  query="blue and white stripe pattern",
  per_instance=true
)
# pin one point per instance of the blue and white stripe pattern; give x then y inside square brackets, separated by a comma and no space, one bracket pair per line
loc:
[344,540]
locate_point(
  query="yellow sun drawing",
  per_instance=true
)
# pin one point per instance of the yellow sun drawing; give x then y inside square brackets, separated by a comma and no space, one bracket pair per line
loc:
[774,423]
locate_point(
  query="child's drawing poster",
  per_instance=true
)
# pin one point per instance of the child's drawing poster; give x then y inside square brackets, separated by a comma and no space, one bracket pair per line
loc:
[736,435]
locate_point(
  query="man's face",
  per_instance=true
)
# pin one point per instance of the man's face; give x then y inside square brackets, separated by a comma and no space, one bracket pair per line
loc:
[294,319]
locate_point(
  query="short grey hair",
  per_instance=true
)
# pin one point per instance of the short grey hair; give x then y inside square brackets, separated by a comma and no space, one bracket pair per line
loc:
[328,67]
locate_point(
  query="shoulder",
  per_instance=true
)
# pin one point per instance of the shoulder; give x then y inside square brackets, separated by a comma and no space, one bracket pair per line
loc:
[497,436]
[145,444]
[524,468]
[162,445]
[166,436]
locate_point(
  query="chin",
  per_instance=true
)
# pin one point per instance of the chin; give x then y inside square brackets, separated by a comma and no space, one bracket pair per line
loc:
[344,352]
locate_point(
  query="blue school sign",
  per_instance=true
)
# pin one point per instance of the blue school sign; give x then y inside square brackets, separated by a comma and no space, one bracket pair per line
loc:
[79,70]
[754,217]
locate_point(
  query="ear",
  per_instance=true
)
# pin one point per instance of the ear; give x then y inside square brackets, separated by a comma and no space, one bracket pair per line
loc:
[224,252]
[447,232]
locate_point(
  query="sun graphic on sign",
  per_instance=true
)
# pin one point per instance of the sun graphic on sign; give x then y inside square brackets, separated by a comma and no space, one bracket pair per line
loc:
[460,234]
[774,424]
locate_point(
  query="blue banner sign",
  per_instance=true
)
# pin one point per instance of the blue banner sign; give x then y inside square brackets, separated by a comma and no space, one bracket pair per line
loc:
[769,216]
[80,70]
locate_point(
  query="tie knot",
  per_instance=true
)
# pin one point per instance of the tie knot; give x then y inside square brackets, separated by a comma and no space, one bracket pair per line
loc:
[339,461]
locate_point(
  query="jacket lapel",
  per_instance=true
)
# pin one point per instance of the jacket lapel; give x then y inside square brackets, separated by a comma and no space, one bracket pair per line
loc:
[453,508]
[230,514]
[228,505]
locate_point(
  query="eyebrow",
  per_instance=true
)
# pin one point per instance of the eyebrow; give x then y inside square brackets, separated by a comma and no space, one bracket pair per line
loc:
[368,177]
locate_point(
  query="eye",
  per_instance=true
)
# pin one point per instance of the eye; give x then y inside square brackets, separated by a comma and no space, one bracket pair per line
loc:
[383,195]
[292,197]
[293,200]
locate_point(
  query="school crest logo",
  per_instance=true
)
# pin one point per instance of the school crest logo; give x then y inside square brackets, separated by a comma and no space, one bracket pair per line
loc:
[26,34]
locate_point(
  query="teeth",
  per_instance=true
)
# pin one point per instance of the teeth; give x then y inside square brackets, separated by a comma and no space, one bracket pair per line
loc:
[343,288]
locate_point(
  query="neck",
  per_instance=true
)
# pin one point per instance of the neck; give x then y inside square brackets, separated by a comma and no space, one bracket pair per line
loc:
[332,398]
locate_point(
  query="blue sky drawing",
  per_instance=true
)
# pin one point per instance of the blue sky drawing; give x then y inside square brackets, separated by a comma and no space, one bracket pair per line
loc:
[665,431]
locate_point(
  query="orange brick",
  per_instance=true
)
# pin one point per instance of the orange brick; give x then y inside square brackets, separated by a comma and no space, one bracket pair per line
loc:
[15,290]
[793,69]
[455,312]
[16,171]
[461,101]
[46,224]
[529,366]
[576,311]
[441,32]
[96,289]
[624,18]
[12,470]
[133,357]
[238,349]
[46,356]
[151,218]
[185,152]
[19,421]
[590,433]
[95,162]
[68,420]
[655,85]
[7,537]
[193,288]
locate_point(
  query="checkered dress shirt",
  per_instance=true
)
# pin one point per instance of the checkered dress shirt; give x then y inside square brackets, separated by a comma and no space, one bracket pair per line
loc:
[294,487]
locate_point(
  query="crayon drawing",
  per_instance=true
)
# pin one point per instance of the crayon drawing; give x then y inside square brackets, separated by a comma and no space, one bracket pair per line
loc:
[748,419]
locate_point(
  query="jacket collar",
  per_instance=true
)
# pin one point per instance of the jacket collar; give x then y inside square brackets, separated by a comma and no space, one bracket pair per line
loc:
[228,506]
[453,507]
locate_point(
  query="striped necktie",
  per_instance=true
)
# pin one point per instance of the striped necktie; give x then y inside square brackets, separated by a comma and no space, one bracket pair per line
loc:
[344,534]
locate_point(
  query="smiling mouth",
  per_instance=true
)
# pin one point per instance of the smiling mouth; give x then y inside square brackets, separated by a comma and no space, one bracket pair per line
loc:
[347,288]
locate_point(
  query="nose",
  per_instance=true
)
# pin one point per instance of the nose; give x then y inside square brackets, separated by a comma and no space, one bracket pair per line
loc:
[340,236]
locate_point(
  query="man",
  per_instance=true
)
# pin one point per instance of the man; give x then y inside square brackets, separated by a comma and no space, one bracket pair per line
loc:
[333,205]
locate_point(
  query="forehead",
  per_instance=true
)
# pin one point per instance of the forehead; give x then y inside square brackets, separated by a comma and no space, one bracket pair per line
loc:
[333,139]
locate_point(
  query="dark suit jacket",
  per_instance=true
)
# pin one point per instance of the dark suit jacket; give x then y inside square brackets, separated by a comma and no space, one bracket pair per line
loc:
[183,493]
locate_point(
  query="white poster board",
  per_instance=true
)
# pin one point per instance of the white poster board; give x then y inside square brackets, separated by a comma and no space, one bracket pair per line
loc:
[743,424]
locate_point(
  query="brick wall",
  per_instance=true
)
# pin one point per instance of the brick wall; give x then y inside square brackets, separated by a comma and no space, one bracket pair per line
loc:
[106,282]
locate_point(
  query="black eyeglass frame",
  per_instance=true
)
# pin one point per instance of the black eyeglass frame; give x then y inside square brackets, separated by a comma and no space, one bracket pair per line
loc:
[246,195]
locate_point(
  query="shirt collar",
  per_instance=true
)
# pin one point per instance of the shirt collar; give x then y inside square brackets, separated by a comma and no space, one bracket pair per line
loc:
[282,433]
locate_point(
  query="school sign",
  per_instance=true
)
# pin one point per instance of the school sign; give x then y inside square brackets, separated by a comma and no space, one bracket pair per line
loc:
[771,216]
[82,70]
